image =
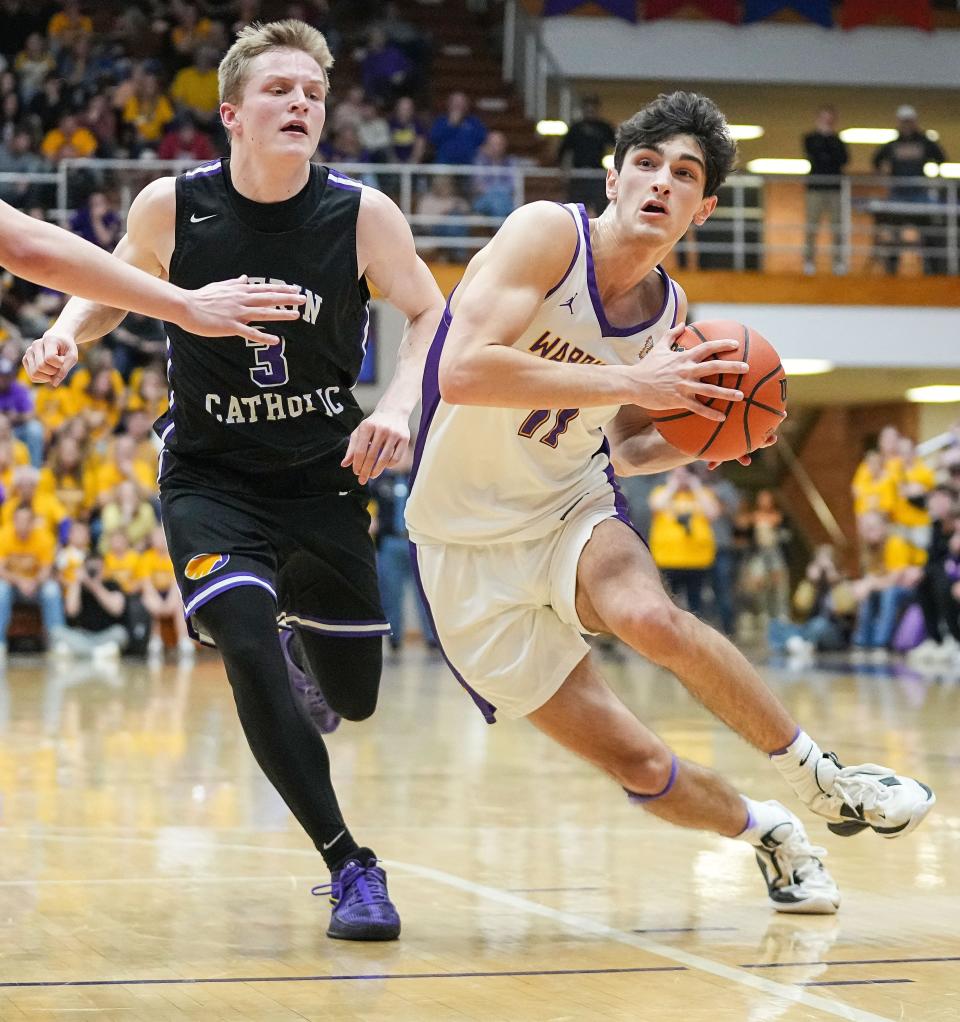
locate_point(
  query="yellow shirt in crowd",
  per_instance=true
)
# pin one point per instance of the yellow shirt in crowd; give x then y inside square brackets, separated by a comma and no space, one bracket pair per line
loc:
[157,567]
[45,506]
[197,89]
[873,494]
[122,569]
[681,535]
[905,513]
[149,121]
[73,491]
[26,557]
[108,477]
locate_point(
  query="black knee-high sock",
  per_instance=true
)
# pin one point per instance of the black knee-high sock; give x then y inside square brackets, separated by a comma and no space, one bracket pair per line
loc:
[243,624]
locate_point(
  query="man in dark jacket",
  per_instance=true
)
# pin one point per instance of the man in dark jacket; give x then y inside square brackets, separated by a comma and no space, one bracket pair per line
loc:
[828,156]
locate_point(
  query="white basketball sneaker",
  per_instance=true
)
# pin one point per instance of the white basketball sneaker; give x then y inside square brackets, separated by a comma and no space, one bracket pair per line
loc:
[796,878]
[855,798]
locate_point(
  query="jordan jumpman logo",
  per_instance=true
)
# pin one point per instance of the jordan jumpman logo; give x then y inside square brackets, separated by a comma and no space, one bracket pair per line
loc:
[568,304]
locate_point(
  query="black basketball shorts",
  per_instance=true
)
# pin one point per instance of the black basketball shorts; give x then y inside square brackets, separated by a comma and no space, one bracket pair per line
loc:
[311,551]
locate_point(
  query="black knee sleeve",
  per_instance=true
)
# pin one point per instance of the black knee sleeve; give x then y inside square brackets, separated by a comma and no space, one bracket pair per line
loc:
[347,671]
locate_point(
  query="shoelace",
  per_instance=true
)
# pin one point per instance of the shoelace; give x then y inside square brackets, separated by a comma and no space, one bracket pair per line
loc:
[366,883]
[861,791]
[802,859]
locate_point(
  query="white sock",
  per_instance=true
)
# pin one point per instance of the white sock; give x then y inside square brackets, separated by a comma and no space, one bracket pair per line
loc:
[761,819]
[797,764]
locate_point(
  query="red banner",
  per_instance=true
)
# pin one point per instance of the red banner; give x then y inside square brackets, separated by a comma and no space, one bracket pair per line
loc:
[915,13]
[719,10]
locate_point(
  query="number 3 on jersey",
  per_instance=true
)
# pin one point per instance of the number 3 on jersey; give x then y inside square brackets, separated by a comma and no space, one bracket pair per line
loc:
[271,368]
[539,416]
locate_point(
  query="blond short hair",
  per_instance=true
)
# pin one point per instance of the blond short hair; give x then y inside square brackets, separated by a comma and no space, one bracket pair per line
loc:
[258,38]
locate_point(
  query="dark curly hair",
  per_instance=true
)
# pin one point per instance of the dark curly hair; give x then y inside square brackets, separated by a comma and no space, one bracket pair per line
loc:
[682,113]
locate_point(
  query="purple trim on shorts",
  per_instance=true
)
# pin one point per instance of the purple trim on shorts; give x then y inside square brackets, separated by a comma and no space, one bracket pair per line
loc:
[605,325]
[573,261]
[220,585]
[487,709]
[674,768]
[780,752]
[619,501]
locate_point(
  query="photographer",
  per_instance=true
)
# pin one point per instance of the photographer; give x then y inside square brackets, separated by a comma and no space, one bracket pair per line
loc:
[95,613]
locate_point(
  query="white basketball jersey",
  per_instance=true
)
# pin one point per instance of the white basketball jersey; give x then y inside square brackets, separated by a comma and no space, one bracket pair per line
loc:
[494,475]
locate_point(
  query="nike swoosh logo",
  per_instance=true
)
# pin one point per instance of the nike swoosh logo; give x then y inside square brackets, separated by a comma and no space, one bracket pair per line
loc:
[807,756]
[194,219]
[330,844]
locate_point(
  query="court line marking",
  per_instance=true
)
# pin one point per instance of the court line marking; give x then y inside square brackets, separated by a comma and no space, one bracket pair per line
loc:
[578,924]
[338,978]
[851,982]
[582,924]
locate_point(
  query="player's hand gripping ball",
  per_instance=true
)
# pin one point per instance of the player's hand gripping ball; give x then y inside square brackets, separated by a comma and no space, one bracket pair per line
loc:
[750,423]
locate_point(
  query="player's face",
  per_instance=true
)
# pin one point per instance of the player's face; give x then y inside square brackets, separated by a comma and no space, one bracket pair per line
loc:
[282,110]
[659,190]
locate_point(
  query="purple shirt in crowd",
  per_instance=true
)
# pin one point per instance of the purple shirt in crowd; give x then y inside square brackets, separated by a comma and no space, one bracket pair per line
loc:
[16,399]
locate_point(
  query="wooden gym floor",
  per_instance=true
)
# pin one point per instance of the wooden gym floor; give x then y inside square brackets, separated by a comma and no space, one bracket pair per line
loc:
[150,873]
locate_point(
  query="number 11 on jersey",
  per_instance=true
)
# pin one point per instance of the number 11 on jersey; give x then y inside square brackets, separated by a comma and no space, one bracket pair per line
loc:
[539,416]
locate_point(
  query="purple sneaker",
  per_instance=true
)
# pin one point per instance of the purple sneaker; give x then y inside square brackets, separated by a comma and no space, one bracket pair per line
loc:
[362,909]
[306,692]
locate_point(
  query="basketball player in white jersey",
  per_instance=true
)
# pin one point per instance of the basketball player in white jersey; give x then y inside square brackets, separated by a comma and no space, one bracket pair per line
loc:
[48,255]
[552,351]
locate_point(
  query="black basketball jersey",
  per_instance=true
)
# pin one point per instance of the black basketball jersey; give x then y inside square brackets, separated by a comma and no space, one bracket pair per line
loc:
[255,407]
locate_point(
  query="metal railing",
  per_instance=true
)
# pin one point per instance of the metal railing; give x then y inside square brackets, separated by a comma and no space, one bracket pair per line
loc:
[530,66]
[758,225]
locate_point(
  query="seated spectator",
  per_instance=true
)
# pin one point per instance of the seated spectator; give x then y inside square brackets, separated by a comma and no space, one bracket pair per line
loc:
[941,610]
[443,202]
[26,566]
[139,427]
[25,492]
[101,119]
[161,598]
[913,480]
[49,104]
[98,222]
[765,573]
[95,612]
[891,569]
[191,31]
[66,478]
[373,132]
[129,512]
[32,65]
[148,392]
[404,34]
[346,113]
[54,406]
[69,140]
[101,400]
[71,556]
[825,603]
[408,140]
[195,89]
[457,135]
[873,487]
[120,562]
[17,157]
[146,115]
[386,70]
[185,142]
[123,464]
[494,191]
[135,343]
[16,403]
[68,25]
[681,537]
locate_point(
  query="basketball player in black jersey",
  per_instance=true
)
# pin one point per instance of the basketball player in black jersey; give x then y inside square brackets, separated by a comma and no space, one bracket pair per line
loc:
[266,452]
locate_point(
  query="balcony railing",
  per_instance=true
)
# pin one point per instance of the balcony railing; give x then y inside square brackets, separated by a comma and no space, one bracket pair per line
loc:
[881,225]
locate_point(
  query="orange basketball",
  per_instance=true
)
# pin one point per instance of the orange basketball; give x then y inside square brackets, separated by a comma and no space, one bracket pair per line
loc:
[749,422]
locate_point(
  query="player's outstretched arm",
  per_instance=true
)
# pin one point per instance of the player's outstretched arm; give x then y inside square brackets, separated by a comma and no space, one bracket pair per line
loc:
[46,254]
[501,294]
[387,255]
